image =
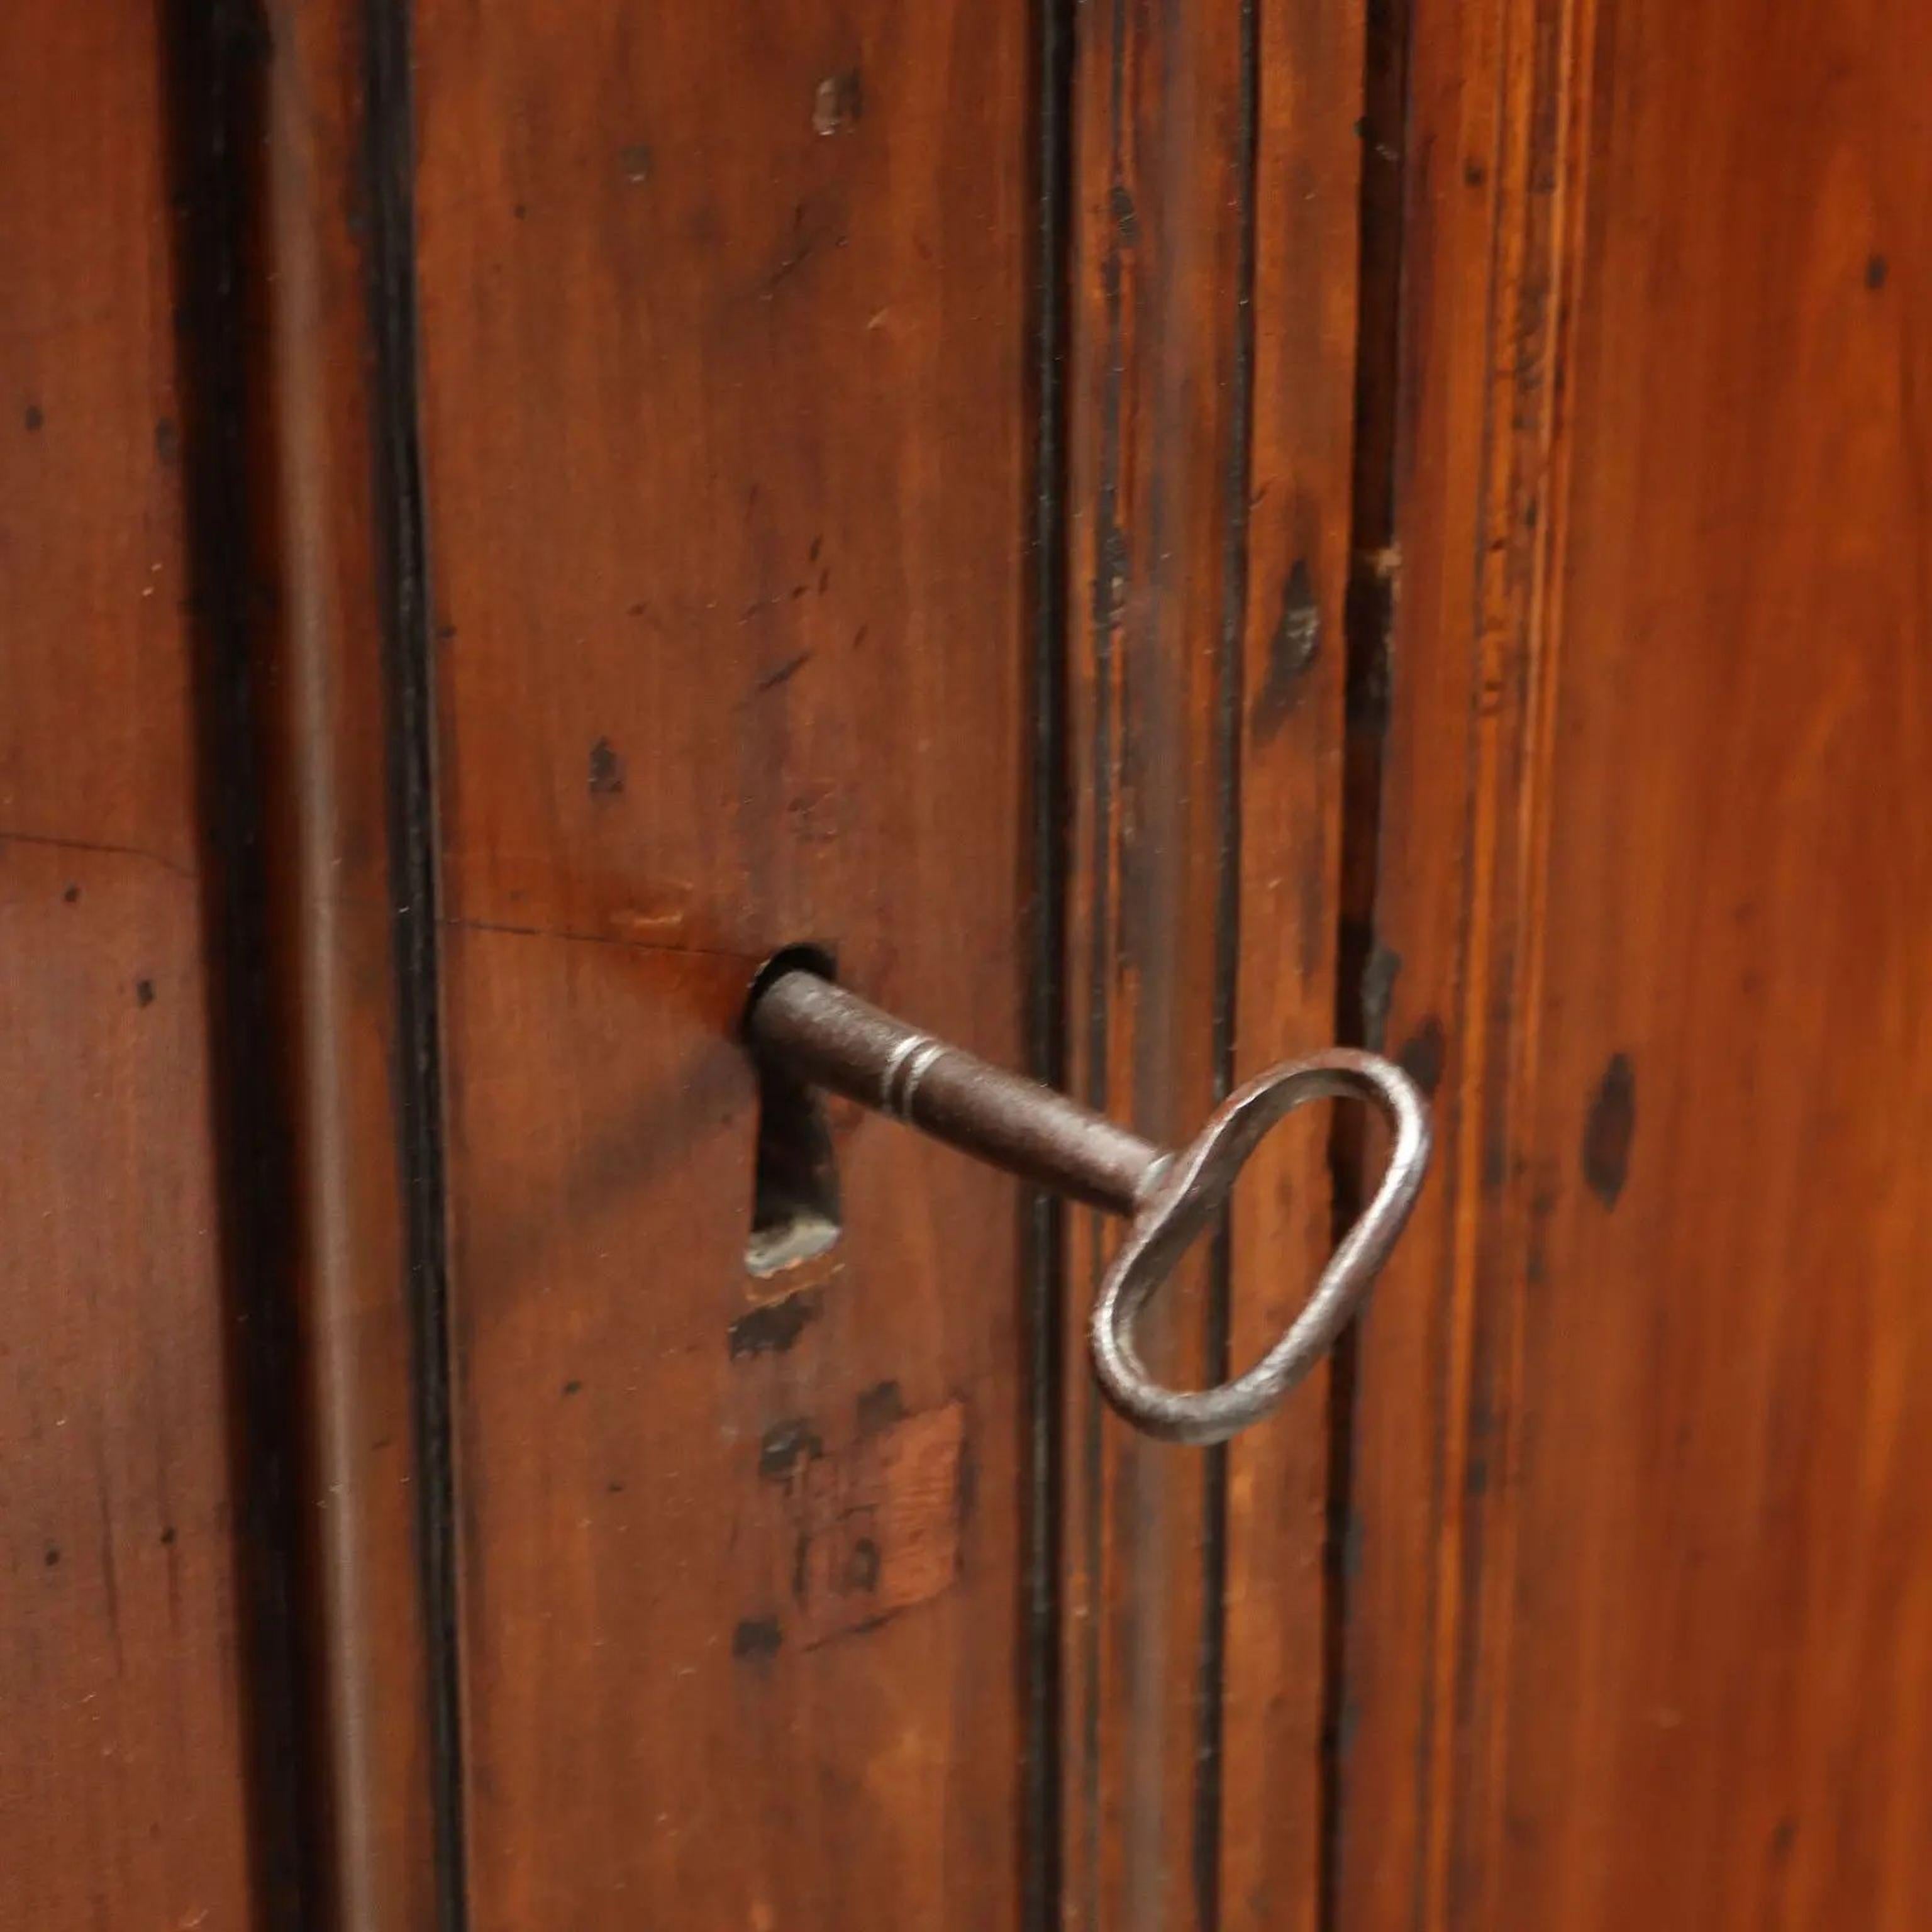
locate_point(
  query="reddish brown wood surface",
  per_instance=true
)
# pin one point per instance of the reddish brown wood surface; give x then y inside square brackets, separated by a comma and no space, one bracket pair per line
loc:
[1641,1632]
[1617,1597]
[122,1797]
[725,352]
[1212,272]
[1159,196]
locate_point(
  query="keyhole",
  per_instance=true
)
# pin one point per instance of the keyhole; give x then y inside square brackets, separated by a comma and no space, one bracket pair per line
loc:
[795,1173]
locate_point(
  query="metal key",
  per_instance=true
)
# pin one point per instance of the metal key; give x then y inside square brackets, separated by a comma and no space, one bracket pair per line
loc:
[819,1032]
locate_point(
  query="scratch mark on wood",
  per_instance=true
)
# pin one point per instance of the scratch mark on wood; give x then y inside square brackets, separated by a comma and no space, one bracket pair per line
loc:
[56,844]
[783,674]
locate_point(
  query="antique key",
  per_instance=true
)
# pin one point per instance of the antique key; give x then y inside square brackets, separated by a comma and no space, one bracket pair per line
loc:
[816,1031]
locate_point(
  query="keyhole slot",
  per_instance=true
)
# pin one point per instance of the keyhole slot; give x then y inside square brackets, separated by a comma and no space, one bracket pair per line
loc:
[795,1172]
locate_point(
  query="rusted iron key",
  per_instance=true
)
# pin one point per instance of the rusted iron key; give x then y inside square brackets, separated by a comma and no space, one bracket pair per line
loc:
[817,1031]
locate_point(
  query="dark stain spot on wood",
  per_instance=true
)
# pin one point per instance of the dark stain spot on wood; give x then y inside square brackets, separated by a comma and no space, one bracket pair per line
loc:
[1127,221]
[757,1639]
[1293,648]
[1474,174]
[784,1445]
[1877,270]
[1423,1054]
[167,441]
[774,1328]
[966,1483]
[1380,970]
[607,770]
[573,1386]
[1536,1258]
[1608,1131]
[144,992]
[1368,618]
[168,1536]
[1783,1837]
[1496,1165]
[818,546]
[861,1566]
[521,210]
[838,102]
[613,1487]
[635,160]
[783,674]
[1354,1543]
[72,896]
[1110,580]
[32,417]
[879,1407]
[52,1558]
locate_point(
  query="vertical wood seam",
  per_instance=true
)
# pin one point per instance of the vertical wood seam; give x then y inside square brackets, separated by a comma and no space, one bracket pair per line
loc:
[1212,1672]
[1041,1866]
[1103,616]
[211,89]
[1374,522]
[409,646]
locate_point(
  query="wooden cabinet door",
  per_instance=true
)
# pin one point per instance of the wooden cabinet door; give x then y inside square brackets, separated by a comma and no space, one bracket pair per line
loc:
[1159,538]
[1639,1628]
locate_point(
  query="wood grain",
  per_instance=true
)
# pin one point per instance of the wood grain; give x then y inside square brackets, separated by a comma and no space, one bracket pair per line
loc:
[1640,1632]
[1213,273]
[1155,440]
[724,339]
[124,1797]
[1303,313]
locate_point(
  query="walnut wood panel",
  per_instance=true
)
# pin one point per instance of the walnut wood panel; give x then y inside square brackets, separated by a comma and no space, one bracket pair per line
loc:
[1213,344]
[726,361]
[124,1798]
[1641,1632]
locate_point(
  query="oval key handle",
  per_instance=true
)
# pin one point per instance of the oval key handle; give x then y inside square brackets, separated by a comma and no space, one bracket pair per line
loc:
[815,1030]
[1183,1199]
